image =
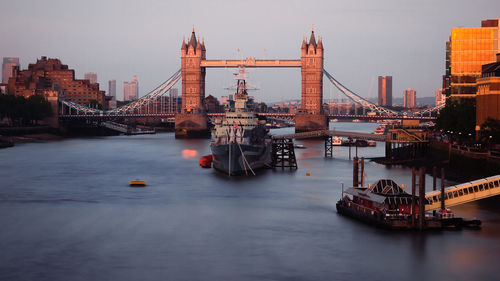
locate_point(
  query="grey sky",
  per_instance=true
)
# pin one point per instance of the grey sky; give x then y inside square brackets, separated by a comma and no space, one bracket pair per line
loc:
[362,39]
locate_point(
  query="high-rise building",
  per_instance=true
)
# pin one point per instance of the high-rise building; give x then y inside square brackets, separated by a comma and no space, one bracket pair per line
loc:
[7,65]
[467,50]
[131,89]
[409,98]
[112,93]
[92,77]
[385,90]
[112,88]
[439,97]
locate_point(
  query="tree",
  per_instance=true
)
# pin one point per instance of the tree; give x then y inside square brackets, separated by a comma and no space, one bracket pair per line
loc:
[490,127]
[39,108]
[457,117]
[23,111]
[94,104]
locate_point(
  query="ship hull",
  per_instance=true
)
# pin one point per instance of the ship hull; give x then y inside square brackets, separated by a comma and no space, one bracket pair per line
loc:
[228,158]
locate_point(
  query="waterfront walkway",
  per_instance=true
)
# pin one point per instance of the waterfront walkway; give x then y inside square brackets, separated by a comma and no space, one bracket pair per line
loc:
[333,133]
[464,193]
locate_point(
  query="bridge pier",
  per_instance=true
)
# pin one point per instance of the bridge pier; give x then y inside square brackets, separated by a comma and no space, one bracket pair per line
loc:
[310,122]
[191,125]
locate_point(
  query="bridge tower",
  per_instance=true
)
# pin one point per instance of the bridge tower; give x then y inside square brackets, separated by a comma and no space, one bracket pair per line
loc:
[192,121]
[311,117]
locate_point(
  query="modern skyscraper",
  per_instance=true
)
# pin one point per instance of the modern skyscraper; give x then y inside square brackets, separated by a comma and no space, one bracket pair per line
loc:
[467,50]
[92,77]
[112,93]
[112,88]
[135,81]
[131,89]
[7,65]
[385,90]
[439,97]
[409,98]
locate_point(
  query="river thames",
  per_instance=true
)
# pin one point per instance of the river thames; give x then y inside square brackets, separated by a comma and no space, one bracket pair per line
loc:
[67,213]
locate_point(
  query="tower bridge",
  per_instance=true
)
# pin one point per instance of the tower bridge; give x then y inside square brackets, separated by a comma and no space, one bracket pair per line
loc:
[192,120]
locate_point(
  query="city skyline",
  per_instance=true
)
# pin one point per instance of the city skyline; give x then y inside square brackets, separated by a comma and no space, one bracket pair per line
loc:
[153,51]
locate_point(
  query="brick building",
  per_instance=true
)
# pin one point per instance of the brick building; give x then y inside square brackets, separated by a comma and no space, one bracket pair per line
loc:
[51,76]
[488,93]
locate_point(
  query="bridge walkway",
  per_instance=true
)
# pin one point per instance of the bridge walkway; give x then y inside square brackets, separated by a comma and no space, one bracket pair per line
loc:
[464,193]
[332,133]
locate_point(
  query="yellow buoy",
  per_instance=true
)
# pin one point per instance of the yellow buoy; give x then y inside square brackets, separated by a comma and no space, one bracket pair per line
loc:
[137,182]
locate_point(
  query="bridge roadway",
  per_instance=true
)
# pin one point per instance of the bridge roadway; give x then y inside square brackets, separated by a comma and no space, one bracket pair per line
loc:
[287,116]
[251,62]
[464,193]
[333,133]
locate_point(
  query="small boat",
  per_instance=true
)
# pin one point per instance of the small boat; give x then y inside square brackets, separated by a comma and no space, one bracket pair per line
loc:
[137,182]
[206,161]
[334,120]
[299,146]
[380,130]
[336,141]
[356,121]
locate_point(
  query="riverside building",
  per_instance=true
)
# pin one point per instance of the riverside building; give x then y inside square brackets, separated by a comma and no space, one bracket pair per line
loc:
[488,93]
[467,50]
[48,76]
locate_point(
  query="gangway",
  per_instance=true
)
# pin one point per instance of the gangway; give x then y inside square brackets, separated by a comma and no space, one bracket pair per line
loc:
[122,128]
[464,193]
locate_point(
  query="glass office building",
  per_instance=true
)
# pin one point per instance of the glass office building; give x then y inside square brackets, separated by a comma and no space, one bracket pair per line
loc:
[468,50]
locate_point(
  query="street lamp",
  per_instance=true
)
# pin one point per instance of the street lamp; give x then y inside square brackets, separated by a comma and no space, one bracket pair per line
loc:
[342,183]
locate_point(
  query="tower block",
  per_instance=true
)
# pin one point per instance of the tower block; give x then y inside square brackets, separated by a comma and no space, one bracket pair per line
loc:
[192,122]
[311,117]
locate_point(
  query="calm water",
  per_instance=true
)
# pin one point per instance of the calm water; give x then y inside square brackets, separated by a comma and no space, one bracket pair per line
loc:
[67,213]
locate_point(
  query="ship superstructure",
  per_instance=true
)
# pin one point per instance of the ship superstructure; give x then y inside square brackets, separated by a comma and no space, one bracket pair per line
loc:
[240,141]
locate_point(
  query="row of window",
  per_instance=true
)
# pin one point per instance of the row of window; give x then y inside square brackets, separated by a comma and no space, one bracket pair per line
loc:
[465,191]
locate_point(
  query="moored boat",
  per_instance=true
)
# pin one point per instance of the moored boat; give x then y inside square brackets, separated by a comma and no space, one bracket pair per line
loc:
[240,141]
[336,141]
[387,205]
[206,161]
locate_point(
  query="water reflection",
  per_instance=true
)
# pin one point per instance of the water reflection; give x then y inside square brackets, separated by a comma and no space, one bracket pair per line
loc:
[189,153]
[69,213]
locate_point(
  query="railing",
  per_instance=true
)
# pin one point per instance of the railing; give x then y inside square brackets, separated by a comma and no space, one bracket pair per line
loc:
[464,193]
[332,133]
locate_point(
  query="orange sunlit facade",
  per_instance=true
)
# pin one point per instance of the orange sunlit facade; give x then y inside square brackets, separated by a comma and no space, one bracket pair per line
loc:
[469,49]
[488,99]
[488,94]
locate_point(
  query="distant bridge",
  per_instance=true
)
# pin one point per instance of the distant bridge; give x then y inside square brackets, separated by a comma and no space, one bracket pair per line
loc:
[287,116]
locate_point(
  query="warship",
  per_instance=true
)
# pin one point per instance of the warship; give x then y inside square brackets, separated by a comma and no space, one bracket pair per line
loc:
[240,141]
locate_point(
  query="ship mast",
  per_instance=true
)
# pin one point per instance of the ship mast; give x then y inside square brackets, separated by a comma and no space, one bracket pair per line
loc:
[241,95]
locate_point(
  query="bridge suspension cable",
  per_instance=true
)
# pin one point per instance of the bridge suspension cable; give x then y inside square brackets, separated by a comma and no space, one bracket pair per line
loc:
[377,108]
[146,100]
[357,99]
